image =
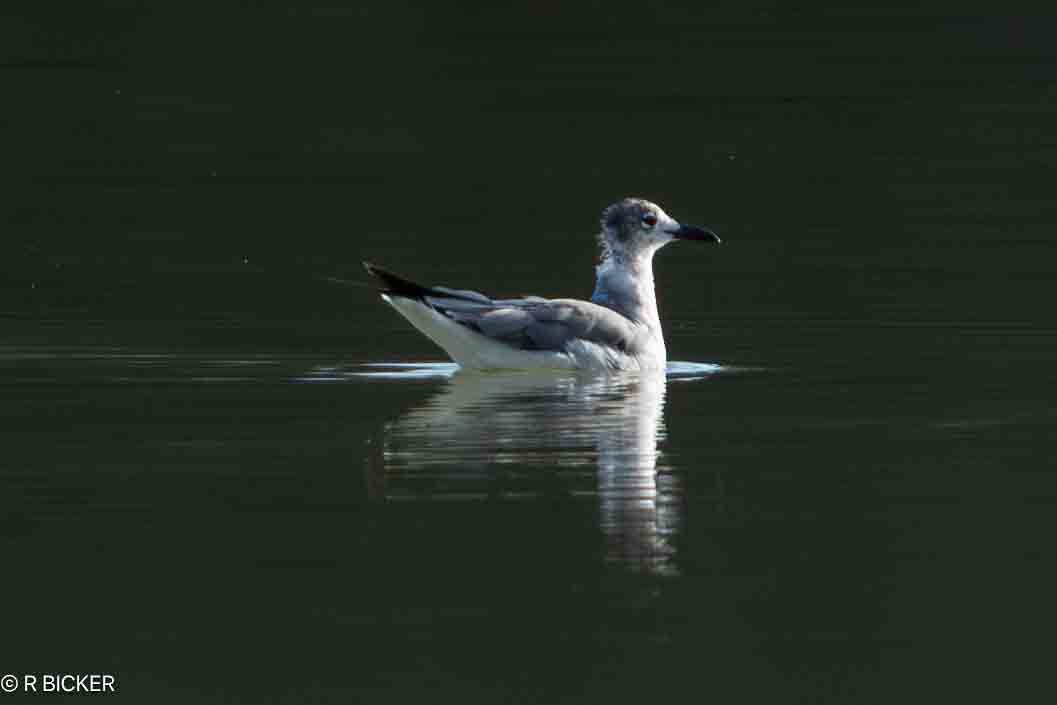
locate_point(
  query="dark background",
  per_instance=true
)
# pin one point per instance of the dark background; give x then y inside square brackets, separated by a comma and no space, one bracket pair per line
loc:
[198,183]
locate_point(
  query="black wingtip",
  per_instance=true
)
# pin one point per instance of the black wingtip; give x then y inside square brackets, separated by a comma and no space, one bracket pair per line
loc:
[395,285]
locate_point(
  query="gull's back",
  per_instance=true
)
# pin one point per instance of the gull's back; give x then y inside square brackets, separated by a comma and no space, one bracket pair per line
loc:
[479,332]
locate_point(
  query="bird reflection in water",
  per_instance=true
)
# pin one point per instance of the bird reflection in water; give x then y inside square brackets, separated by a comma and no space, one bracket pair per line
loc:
[487,436]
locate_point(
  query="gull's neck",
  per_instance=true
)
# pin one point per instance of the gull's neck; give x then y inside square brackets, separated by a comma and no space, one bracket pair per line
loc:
[625,284]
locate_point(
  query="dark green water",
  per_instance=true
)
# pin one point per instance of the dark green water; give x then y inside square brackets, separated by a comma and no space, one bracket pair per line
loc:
[203,493]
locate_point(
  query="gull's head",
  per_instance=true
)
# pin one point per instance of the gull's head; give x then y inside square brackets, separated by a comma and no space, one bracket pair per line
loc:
[634,227]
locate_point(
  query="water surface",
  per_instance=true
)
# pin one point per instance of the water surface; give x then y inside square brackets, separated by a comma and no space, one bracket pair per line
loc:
[231,474]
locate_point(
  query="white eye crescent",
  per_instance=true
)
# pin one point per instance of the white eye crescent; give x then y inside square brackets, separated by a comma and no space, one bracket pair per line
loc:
[649,220]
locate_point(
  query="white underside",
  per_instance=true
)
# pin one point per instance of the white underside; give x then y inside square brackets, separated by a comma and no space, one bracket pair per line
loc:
[474,351]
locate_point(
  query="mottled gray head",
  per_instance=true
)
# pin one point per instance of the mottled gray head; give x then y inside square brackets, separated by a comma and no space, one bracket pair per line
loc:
[634,226]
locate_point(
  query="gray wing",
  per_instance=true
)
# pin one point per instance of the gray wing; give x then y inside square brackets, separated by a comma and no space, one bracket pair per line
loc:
[531,323]
[539,324]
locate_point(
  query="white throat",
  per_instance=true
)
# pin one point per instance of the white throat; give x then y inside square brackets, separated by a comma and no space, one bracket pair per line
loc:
[625,284]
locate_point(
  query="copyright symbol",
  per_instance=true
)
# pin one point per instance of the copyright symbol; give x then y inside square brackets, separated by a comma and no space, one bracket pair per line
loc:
[9,683]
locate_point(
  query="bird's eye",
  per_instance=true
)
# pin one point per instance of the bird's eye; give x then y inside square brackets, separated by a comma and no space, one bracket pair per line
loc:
[649,219]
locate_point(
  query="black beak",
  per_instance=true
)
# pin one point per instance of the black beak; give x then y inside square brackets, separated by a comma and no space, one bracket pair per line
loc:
[694,232]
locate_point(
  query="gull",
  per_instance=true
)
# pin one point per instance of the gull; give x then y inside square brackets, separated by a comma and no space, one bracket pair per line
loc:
[619,329]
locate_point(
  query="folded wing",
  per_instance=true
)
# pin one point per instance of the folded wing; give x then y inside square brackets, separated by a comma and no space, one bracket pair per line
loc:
[530,323]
